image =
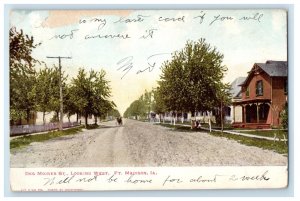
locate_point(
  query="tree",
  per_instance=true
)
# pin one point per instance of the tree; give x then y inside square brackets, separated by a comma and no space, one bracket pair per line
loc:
[192,80]
[158,104]
[147,100]
[22,97]
[113,113]
[284,116]
[224,98]
[140,107]
[70,107]
[22,74]
[136,109]
[20,49]
[102,92]
[47,91]
[43,91]
[90,93]
[108,108]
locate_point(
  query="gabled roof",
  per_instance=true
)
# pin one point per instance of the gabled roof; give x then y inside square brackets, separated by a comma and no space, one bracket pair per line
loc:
[271,68]
[274,68]
[236,88]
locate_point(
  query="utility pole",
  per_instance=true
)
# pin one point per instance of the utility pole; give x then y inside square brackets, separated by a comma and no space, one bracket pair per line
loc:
[60,90]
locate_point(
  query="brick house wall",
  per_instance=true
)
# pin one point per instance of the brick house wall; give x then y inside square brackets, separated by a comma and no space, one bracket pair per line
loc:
[252,87]
[279,98]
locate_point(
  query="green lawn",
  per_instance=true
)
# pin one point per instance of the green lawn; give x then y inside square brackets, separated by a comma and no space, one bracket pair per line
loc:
[178,127]
[279,147]
[92,126]
[214,126]
[267,133]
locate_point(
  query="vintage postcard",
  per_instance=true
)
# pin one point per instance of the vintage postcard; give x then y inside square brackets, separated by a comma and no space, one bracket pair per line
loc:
[148,99]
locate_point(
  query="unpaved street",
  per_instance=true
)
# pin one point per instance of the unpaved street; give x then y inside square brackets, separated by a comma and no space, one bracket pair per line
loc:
[140,144]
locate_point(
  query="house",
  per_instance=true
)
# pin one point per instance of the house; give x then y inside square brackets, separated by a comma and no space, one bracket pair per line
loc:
[264,95]
[36,118]
[236,114]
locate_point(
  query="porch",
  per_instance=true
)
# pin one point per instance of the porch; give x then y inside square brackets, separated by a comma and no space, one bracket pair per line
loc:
[256,114]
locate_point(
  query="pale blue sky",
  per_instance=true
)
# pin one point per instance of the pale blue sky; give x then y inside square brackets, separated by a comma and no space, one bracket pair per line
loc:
[242,42]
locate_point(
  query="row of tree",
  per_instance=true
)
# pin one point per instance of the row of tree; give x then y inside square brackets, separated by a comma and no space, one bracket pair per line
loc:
[141,107]
[191,81]
[30,90]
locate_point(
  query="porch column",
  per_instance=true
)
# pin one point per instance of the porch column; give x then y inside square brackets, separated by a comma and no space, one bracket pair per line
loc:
[257,112]
[243,113]
[233,113]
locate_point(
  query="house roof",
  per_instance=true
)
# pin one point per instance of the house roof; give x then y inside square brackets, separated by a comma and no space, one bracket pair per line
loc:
[236,88]
[274,68]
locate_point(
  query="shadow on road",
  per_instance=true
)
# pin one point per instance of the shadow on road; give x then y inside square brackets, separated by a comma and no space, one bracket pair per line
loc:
[103,126]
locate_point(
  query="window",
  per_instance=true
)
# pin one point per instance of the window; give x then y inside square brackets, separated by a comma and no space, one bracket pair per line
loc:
[248,92]
[259,88]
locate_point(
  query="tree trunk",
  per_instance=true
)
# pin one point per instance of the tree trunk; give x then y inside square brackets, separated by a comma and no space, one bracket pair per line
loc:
[192,121]
[27,116]
[44,120]
[222,123]
[209,121]
[77,117]
[182,118]
[86,120]
[175,118]
[95,120]
[57,115]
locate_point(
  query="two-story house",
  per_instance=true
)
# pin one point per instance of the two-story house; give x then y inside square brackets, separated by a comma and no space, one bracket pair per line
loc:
[264,94]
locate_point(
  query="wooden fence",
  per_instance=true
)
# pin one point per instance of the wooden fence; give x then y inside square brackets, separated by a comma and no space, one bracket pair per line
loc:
[26,129]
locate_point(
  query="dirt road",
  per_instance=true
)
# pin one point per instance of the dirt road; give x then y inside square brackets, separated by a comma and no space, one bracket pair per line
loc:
[140,144]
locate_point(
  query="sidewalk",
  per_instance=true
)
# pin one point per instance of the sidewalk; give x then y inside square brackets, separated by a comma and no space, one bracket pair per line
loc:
[248,135]
[242,134]
[39,133]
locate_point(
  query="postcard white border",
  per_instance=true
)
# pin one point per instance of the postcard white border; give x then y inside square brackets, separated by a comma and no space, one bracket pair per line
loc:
[291,153]
[147,178]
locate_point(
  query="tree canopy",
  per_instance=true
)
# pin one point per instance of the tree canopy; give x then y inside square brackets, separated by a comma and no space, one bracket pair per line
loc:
[89,93]
[141,107]
[22,74]
[192,80]
[32,91]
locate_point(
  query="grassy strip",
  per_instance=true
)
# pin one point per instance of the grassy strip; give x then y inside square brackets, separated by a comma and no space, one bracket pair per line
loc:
[214,126]
[206,125]
[267,133]
[279,147]
[92,126]
[181,128]
[26,140]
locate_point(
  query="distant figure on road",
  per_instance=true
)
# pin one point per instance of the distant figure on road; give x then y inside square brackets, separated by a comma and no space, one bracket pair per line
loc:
[119,121]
